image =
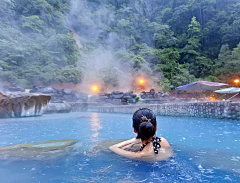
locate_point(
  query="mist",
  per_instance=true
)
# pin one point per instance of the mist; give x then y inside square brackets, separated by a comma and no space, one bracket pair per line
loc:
[113,43]
[102,62]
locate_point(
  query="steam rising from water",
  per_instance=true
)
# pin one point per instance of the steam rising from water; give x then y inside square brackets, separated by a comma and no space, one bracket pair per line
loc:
[99,60]
[101,50]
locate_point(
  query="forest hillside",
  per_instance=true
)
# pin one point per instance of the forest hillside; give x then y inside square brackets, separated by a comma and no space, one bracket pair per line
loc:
[172,42]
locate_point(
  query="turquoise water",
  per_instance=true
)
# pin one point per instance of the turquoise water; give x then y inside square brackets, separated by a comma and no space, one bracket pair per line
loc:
[205,150]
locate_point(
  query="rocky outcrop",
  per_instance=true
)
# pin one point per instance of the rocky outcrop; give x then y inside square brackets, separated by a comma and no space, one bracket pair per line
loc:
[22,104]
[38,151]
[61,95]
[121,98]
[66,107]
[13,88]
[116,98]
[63,107]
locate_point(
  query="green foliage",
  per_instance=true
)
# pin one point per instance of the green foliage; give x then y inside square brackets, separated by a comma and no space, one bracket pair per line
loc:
[138,62]
[165,84]
[163,36]
[192,48]
[71,74]
[228,63]
[168,62]
[8,76]
[182,76]
[174,73]
[194,29]
[202,67]
[33,23]
[36,50]
[178,40]
[109,76]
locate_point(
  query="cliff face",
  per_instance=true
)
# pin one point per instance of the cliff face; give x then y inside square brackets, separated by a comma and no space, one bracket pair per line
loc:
[22,104]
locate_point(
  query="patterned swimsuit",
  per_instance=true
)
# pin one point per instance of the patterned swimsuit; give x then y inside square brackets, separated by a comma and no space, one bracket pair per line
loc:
[156,144]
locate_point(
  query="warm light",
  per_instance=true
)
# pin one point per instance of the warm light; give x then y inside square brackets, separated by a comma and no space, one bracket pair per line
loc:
[95,88]
[141,81]
[212,99]
[236,81]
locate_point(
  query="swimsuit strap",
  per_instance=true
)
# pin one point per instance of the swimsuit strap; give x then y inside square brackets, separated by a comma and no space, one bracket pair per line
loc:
[141,148]
[156,144]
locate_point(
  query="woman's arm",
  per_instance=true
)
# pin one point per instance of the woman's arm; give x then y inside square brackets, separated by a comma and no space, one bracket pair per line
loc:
[119,149]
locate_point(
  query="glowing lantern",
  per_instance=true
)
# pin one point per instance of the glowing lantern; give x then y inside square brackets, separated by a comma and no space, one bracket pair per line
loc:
[141,81]
[236,81]
[95,88]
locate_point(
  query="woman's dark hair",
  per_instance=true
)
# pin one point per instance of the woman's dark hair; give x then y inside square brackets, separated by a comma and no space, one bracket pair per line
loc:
[149,117]
[146,130]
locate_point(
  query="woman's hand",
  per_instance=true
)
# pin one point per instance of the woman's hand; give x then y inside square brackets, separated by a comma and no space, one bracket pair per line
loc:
[121,147]
[127,147]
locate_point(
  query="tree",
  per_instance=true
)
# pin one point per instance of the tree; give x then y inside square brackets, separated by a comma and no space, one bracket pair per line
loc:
[227,65]
[71,74]
[192,49]
[109,76]
[174,73]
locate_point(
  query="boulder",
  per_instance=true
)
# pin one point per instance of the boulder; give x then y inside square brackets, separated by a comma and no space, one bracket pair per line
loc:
[117,96]
[13,88]
[38,151]
[58,108]
[18,104]
[152,92]
[47,90]
[67,91]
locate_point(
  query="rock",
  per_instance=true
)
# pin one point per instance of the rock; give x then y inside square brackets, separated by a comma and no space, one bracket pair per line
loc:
[38,151]
[116,101]
[47,90]
[16,89]
[58,108]
[117,96]
[60,95]
[127,97]
[60,91]
[18,104]
[152,92]
[117,93]
[67,91]
[81,96]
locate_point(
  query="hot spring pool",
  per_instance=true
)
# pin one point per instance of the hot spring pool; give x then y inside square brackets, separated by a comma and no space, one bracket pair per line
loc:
[205,150]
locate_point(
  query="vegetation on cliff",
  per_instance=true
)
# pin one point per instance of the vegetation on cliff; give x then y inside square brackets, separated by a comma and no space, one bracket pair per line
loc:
[172,41]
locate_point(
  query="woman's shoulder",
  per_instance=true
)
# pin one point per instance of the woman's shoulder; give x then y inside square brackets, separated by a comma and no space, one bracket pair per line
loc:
[164,142]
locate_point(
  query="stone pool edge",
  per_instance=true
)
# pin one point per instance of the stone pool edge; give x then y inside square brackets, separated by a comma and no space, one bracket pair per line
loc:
[217,110]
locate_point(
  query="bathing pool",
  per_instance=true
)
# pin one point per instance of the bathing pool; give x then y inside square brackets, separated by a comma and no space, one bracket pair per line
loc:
[205,150]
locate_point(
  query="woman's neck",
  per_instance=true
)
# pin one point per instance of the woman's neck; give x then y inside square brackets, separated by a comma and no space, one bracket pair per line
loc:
[146,140]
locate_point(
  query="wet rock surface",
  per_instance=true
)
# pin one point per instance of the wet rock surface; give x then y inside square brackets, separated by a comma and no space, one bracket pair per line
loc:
[121,98]
[19,104]
[63,107]
[13,88]
[38,151]
[115,98]
[60,95]
[57,95]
